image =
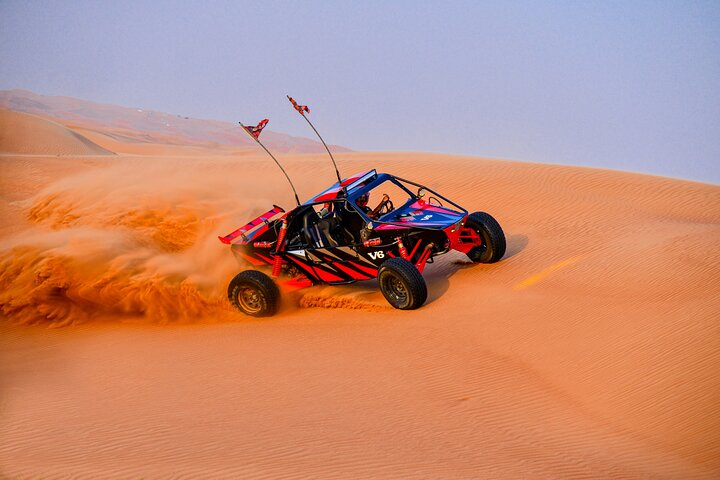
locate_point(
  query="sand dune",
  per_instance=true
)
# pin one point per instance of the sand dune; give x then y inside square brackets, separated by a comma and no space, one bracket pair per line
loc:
[590,351]
[149,126]
[27,134]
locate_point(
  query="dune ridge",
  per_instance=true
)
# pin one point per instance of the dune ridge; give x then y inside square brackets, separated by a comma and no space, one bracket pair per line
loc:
[162,133]
[21,133]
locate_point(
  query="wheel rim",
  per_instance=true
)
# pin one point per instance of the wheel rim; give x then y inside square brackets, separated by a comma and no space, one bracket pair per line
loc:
[481,250]
[396,289]
[250,300]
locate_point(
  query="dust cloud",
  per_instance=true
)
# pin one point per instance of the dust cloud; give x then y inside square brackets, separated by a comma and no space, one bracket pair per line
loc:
[129,240]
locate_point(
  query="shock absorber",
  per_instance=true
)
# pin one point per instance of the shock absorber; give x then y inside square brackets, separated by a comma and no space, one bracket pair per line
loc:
[403,250]
[277,266]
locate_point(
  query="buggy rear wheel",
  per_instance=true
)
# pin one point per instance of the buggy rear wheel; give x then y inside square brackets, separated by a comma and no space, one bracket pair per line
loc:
[254,294]
[401,284]
[493,247]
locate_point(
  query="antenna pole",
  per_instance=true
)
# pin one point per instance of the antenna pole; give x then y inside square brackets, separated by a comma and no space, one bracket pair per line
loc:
[273,157]
[323,142]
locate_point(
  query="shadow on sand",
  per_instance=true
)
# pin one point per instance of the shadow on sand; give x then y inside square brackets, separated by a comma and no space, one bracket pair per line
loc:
[438,275]
[515,245]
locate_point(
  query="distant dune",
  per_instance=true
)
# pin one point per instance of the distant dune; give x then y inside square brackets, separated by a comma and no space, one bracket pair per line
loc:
[28,134]
[591,350]
[140,125]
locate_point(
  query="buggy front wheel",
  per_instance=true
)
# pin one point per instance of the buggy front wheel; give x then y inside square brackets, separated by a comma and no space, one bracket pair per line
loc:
[401,284]
[493,246]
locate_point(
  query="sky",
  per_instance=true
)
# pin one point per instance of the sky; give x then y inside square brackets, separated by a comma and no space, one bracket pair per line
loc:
[612,84]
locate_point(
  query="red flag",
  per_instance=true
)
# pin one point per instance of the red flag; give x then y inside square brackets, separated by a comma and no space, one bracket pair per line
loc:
[255,131]
[299,108]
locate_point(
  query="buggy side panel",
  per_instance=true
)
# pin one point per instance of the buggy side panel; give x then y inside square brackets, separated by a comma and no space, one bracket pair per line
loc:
[340,265]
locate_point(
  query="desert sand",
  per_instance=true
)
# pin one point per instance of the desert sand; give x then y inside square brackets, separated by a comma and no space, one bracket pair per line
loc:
[592,350]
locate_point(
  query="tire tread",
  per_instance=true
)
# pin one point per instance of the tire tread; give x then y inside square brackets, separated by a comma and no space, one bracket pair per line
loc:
[417,288]
[486,222]
[263,283]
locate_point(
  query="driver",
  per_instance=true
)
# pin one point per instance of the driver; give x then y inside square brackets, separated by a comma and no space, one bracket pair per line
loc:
[363,200]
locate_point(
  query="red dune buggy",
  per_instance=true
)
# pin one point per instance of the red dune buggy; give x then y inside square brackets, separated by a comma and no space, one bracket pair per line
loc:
[335,238]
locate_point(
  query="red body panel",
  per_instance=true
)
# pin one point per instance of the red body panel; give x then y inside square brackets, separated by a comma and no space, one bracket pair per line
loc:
[244,231]
[463,239]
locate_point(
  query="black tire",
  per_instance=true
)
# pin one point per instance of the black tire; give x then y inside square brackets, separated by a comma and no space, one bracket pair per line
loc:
[254,294]
[401,284]
[488,228]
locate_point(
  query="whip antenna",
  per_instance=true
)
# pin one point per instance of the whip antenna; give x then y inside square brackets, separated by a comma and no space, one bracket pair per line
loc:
[254,133]
[302,109]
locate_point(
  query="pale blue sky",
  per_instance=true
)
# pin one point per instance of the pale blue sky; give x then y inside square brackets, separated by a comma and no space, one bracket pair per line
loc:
[625,85]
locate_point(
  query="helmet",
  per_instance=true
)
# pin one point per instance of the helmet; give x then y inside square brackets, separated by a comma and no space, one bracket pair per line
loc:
[362,200]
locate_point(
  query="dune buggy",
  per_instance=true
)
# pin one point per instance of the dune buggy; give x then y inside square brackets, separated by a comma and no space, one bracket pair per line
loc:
[334,239]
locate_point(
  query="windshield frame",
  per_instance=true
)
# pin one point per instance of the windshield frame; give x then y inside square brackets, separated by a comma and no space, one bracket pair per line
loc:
[384,177]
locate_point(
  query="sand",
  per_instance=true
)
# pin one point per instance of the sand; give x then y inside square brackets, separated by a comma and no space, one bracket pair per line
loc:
[28,134]
[592,350]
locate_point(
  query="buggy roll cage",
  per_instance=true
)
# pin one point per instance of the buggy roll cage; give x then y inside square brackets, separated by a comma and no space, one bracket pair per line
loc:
[349,193]
[383,177]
